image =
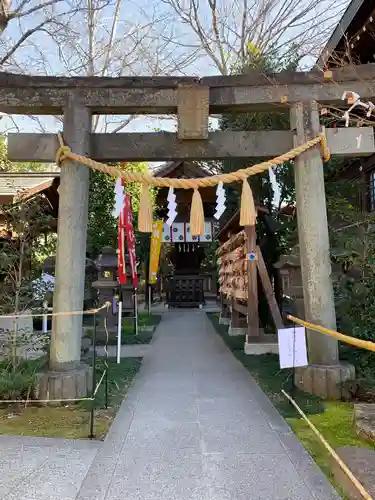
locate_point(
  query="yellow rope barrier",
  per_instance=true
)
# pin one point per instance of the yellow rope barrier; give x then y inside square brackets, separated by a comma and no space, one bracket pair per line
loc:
[330,450]
[68,313]
[248,212]
[363,344]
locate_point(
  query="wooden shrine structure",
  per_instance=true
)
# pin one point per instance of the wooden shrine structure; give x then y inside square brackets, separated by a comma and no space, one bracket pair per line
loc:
[193,100]
[188,284]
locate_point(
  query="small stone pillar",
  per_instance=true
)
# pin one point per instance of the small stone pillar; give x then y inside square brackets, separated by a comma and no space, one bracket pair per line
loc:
[291,278]
[224,312]
[315,255]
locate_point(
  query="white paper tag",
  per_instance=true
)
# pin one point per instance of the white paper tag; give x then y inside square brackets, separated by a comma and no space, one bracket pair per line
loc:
[292,347]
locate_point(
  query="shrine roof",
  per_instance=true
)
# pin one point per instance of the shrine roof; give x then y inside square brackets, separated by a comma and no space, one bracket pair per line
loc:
[232,225]
[173,168]
[352,35]
[12,183]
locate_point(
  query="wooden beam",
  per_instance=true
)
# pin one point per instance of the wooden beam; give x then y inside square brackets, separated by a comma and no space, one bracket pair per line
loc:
[29,101]
[269,98]
[158,146]
[364,72]
[351,141]
[252,280]
[193,111]
[268,290]
[235,315]
[241,308]
[21,94]
[165,146]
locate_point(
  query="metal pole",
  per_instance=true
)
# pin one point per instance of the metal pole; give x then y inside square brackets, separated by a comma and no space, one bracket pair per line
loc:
[136,311]
[119,331]
[106,361]
[293,390]
[45,317]
[149,299]
[91,435]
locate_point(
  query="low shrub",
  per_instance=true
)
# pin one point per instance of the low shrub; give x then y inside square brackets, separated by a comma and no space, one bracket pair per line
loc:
[144,320]
[16,385]
[21,383]
[128,336]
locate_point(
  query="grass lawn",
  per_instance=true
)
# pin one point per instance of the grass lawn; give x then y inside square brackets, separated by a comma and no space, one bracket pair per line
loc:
[72,421]
[334,419]
[128,336]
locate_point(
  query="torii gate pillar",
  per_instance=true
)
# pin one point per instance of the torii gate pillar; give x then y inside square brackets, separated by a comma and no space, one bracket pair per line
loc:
[69,378]
[324,375]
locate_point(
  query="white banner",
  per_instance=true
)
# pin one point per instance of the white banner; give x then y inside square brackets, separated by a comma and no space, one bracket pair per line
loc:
[292,347]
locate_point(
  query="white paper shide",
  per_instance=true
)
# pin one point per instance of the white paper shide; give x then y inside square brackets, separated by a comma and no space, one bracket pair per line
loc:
[292,347]
[220,201]
[172,206]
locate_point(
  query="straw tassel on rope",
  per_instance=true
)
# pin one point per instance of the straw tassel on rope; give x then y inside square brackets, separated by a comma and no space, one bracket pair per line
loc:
[326,151]
[145,210]
[248,212]
[197,215]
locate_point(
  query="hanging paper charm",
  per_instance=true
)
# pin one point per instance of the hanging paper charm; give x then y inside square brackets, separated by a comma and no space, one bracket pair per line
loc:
[119,198]
[220,201]
[354,100]
[172,205]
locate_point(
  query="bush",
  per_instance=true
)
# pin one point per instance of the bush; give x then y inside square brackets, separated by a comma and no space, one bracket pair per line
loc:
[16,385]
[19,384]
[128,336]
[143,320]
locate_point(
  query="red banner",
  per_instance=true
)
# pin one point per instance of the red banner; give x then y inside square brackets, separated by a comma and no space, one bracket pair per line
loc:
[129,233]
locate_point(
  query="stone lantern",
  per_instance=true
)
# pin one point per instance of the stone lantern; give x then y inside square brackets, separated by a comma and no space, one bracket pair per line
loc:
[108,286]
[291,278]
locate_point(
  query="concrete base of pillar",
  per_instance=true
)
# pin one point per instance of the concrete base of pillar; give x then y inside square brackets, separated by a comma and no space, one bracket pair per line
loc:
[235,331]
[224,321]
[325,381]
[63,385]
[258,348]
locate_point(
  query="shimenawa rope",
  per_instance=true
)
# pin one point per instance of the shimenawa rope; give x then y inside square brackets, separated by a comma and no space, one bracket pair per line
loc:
[248,211]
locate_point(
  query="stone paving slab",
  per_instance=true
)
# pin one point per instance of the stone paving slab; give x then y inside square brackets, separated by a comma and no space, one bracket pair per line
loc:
[43,468]
[195,425]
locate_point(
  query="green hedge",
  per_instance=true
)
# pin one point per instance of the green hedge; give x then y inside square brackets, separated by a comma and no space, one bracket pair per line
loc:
[128,336]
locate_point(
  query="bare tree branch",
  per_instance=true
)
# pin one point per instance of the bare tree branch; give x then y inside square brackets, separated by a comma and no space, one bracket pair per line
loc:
[222,30]
[19,13]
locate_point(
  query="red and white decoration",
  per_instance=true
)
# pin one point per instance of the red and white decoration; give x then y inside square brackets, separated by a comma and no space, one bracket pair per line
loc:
[129,232]
[123,211]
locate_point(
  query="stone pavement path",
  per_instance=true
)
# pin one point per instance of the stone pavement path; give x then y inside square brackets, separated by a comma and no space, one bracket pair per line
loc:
[195,426]
[43,468]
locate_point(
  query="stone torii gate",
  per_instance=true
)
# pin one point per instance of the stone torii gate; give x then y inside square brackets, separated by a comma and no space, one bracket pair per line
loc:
[193,100]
